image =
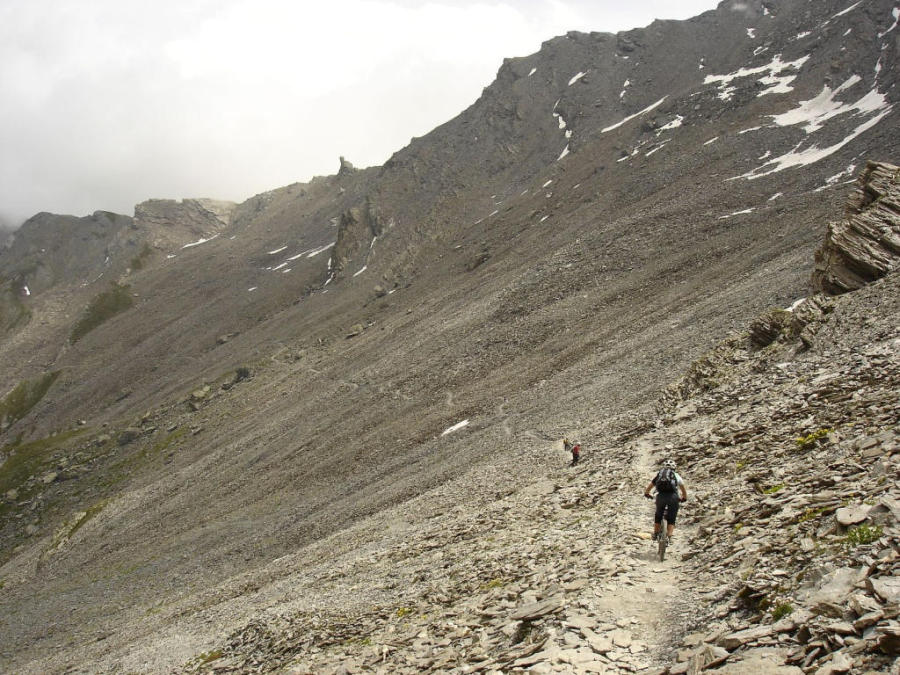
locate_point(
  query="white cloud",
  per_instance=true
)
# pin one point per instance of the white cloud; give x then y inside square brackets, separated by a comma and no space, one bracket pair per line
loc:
[111,102]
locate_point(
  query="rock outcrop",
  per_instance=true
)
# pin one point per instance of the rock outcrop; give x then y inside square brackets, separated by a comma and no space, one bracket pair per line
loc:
[174,223]
[866,244]
[356,236]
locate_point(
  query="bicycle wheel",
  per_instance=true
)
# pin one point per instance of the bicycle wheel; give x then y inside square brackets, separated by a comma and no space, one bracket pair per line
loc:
[663,542]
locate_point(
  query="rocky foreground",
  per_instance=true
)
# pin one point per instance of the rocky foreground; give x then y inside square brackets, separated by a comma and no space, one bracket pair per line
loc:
[786,560]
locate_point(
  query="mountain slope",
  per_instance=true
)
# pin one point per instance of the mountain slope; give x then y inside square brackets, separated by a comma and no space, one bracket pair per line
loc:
[483,273]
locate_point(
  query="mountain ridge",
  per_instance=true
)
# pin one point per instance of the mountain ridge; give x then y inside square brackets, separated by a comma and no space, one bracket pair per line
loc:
[270,388]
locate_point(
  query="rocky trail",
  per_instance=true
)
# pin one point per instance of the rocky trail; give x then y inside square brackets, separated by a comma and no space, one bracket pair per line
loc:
[554,577]
[785,559]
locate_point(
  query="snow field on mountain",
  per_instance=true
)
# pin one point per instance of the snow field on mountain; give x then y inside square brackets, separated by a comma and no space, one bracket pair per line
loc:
[776,83]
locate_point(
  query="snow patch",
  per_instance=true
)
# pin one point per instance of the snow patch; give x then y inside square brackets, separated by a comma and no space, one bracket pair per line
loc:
[674,124]
[170,256]
[199,241]
[27,290]
[361,270]
[810,155]
[543,219]
[278,250]
[737,213]
[815,112]
[576,78]
[547,183]
[776,196]
[563,153]
[533,71]
[896,14]
[833,180]
[657,148]
[849,9]
[637,114]
[795,305]
[800,36]
[317,251]
[711,140]
[251,289]
[455,427]
[751,33]
[777,83]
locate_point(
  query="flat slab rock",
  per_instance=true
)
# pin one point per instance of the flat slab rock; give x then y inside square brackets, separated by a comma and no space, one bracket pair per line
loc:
[852,515]
[764,663]
[536,610]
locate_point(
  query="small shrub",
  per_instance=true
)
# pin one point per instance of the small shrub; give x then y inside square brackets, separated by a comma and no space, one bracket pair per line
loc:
[863,534]
[809,514]
[806,442]
[403,611]
[493,583]
[137,262]
[102,308]
[772,490]
[781,610]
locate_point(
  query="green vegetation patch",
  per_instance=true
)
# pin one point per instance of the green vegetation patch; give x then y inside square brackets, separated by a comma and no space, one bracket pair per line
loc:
[137,262]
[863,534]
[27,459]
[812,513]
[102,308]
[24,396]
[772,490]
[497,582]
[781,610]
[806,442]
[88,514]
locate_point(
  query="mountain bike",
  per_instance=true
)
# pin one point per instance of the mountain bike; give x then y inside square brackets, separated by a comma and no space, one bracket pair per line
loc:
[662,543]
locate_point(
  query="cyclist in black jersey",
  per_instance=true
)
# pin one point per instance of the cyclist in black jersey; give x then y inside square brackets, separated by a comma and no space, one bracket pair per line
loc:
[669,486]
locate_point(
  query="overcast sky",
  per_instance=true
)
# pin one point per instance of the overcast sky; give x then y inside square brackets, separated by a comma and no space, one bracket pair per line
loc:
[106,103]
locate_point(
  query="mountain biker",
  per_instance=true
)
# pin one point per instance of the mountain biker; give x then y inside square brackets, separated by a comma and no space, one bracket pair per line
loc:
[668,485]
[576,453]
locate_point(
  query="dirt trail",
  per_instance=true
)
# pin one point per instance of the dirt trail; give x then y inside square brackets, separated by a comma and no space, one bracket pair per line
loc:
[649,599]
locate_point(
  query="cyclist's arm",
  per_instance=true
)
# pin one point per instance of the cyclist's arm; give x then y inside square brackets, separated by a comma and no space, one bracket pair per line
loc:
[648,488]
[683,491]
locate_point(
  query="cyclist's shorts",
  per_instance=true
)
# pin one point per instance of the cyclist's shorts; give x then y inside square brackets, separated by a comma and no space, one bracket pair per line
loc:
[664,499]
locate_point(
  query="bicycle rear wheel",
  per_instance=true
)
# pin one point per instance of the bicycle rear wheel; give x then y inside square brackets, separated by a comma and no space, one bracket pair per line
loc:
[663,542]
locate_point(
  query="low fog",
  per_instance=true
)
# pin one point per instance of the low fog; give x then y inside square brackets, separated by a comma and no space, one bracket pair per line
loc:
[109,103]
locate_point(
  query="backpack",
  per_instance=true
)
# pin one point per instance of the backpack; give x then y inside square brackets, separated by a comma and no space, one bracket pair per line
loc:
[666,481]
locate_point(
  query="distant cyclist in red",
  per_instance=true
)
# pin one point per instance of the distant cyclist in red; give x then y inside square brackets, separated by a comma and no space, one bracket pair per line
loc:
[576,453]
